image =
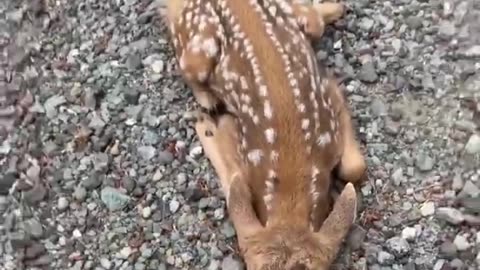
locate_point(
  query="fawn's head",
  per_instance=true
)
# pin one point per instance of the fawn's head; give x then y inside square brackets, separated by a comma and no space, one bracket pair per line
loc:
[273,248]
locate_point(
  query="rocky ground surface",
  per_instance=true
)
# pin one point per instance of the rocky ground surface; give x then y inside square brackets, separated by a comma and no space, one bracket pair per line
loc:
[101,169]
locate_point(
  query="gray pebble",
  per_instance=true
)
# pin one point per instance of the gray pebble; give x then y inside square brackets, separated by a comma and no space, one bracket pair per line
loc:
[473,144]
[231,263]
[368,73]
[451,215]
[448,250]
[80,193]
[34,228]
[461,242]
[165,157]
[385,258]
[62,203]
[424,162]
[174,205]
[398,246]
[134,62]
[113,198]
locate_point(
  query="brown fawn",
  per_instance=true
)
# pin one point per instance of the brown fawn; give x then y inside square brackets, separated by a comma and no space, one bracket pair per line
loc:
[290,127]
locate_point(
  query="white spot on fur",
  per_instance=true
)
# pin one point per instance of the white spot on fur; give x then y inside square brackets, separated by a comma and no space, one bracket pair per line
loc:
[324,139]
[270,135]
[255,156]
[267,109]
[305,123]
[274,156]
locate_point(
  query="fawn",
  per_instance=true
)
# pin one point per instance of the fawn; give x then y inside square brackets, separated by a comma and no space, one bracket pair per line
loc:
[290,127]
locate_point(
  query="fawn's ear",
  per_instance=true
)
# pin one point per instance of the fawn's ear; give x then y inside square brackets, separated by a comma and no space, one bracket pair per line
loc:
[240,208]
[174,9]
[337,225]
[329,12]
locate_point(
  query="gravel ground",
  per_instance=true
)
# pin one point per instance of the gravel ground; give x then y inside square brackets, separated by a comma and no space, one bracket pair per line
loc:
[101,169]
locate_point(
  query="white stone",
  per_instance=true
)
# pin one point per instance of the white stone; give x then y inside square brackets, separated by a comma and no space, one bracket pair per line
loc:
[125,252]
[157,176]
[196,151]
[473,144]
[157,66]
[409,233]
[76,233]
[428,209]
[62,203]
[461,243]
[146,212]
[174,205]
[105,263]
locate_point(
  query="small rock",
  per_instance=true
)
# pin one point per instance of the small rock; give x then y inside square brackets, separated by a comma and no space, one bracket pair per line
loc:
[34,228]
[52,103]
[473,144]
[457,183]
[34,251]
[231,263]
[385,258]
[409,233]
[457,264]
[228,230]
[461,243]
[96,122]
[450,215]
[448,250]
[93,181]
[146,152]
[113,198]
[105,263]
[367,73]
[366,24]
[134,62]
[139,266]
[62,203]
[131,95]
[427,209]
[439,265]
[146,212]
[473,51]
[398,246]
[196,151]
[129,184]
[165,157]
[378,107]
[126,252]
[6,182]
[157,176]
[397,176]
[446,29]
[174,205]
[77,234]
[80,193]
[424,162]
[469,190]
[356,237]
[157,66]
[214,265]
[35,194]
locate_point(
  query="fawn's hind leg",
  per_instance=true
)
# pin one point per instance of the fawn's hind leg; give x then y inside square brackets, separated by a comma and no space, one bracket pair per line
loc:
[352,166]
[219,140]
[196,47]
[314,17]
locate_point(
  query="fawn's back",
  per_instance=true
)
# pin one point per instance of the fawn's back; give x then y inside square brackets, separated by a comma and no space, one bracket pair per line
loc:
[254,57]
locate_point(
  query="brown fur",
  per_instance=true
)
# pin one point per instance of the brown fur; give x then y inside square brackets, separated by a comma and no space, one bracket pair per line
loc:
[270,247]
[287,242]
